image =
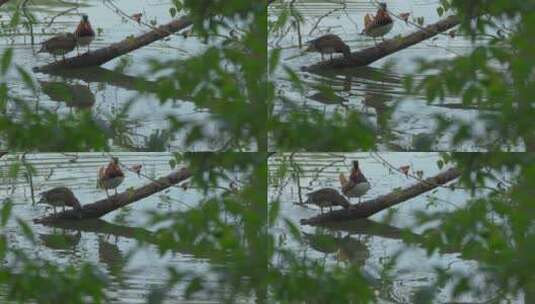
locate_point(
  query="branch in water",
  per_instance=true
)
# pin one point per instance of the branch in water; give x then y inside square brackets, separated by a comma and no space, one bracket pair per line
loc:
[107,205]
[383,49]
[371,207]
[129,44]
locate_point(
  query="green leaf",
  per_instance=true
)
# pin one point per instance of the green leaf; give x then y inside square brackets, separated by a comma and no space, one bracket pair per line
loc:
[26,78]
[194,286]
[6,211]
[6,60]
[274,59]
[3,246]
[26,230]
[274,212]
[292,228]
[172,12]
[15,19]
[179,6]
[420,20]
[14,170]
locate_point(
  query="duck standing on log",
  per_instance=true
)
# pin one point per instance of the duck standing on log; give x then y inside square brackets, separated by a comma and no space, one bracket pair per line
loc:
[328,44]
[111,176]
[326,197]
[379,25]
[84,33]
[357,185]
[60,196]
[60,44]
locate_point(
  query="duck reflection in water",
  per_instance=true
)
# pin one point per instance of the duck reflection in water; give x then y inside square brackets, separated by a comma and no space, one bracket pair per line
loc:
[344,248]
[73,95]
[61,241]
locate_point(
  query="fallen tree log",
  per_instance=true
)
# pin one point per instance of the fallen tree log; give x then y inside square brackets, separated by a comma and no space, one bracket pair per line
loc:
[107,205]
[105,54]
[383,49]
[373,206]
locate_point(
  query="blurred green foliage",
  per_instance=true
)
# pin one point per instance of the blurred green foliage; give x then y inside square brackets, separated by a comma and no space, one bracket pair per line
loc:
[495,228]
[235,230]
[496,76]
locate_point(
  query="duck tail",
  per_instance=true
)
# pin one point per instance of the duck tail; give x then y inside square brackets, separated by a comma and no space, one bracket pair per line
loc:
[343,180]
[100,174]
[368,19]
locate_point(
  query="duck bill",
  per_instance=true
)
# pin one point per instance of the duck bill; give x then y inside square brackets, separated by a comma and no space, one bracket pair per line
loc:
[309,48]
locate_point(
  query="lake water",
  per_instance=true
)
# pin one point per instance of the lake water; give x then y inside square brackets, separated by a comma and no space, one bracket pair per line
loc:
[402,122]
[108,242]
[371,243]
[105,91]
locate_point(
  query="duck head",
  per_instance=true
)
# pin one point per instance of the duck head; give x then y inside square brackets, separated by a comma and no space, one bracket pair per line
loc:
[382,6]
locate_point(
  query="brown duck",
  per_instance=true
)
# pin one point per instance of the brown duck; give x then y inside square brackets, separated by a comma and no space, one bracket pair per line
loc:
[111,176]
[379,25]
[84,33]
[60,196]
[329,44]
[357,185]
[327,197]
[59,45]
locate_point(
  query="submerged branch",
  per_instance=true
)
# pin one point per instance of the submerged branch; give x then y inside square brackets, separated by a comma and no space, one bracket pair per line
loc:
[129,44]
[390,46]
[107,205]
[373,206]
